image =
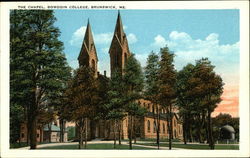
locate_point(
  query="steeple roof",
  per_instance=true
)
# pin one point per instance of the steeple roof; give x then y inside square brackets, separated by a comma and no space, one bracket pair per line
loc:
[88,39]
[88,42]
[119,32]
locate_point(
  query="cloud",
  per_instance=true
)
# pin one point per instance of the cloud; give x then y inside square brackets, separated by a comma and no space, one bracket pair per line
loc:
[125,27]
[187,50]
[142,58]
[103,38]
[77,36]
[159,41]
[131,38]
[225,57]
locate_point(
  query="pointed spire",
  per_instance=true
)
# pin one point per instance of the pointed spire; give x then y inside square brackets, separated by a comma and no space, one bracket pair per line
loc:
[88,39]
[119,28]
[88,47]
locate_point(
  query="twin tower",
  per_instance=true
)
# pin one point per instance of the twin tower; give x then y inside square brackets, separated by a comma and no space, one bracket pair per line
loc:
[118,51]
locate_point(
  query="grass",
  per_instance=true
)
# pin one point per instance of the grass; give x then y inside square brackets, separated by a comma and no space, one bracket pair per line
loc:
[22,144]
[162,140]
[195,146]
[18,145]
[95,147]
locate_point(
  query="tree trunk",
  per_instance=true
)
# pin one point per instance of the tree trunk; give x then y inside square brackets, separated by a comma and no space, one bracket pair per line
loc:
[80,129]
[190,133]
[28,132]
[207,135]
[33,133]
[210,132]
[41,134]
[158,128]
[119,128]
[86,132]
[130,132]
[184,131]
[171,128]
[61,130]
[134,129]
[114,131]
[49,127]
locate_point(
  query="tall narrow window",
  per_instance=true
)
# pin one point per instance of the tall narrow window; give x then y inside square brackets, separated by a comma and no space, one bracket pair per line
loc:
[148,126]
[116,60]
[163,127]
[154,126]
[93,64]
[125,58]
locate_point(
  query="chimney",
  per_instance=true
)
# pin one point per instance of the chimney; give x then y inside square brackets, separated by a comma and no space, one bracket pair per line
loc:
[105,73]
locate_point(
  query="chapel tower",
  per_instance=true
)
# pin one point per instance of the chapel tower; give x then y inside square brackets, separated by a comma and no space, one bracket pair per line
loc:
[88,55]
[119,50]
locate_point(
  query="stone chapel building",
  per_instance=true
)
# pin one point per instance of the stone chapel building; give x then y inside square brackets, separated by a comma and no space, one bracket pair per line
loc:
[119,52]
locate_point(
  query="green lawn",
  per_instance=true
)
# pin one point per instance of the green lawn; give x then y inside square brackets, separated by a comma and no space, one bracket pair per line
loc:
[162,140]
[195,146]
[22,144]
[95,147]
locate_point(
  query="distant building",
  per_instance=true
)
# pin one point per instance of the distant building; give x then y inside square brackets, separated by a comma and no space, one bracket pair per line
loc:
[119,53]
[227,132]
[44,134]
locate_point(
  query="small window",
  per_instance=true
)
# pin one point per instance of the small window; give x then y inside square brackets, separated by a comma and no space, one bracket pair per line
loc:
[22,135]
[37,135]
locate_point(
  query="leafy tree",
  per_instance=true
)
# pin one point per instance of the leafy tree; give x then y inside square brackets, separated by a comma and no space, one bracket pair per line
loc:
[167,81]
[115,105]
[152,87]
[184,100]
[133,83]
[208,89]
[37,65]
[71,132]
[82,100]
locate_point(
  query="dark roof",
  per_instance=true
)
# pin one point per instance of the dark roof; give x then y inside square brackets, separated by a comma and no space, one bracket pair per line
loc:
[53,128]
[228,128]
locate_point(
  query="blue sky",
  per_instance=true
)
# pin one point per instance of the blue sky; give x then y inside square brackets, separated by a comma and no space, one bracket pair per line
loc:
[190,34]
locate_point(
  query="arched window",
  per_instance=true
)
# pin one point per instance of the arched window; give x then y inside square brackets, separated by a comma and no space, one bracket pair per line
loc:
[167,127]
[125,58]
[154,126]
[116,60]
[163,127]
[93,64]
[148,126]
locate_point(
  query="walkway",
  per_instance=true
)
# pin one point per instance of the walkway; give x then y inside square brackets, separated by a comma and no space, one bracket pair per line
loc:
[100,142]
